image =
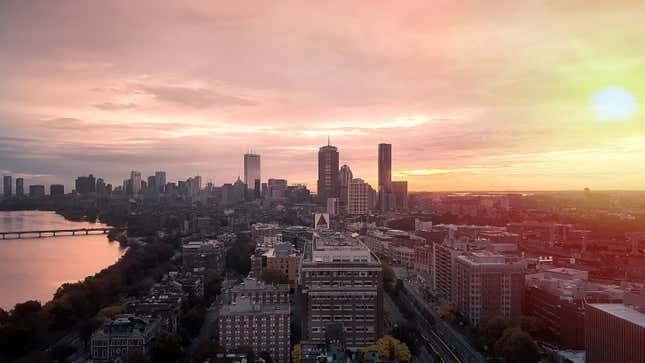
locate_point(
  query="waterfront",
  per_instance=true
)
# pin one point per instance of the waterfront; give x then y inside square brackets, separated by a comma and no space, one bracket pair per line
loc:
[33,268]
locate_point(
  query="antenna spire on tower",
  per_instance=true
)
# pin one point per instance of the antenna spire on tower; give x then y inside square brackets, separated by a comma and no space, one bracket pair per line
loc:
[328,142]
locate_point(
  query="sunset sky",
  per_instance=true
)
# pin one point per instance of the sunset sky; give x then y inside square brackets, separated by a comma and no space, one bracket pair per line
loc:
[472,95]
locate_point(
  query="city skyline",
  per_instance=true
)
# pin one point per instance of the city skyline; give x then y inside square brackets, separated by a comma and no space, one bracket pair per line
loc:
[470,101]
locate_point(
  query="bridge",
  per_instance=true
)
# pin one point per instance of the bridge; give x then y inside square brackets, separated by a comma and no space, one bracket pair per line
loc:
[55,232]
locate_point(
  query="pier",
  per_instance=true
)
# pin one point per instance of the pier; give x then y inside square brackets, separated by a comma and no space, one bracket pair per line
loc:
[55,232]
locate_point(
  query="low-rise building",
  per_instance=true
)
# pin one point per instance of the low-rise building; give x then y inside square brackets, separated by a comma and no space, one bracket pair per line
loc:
[263,327]
[122,336]
[259,292]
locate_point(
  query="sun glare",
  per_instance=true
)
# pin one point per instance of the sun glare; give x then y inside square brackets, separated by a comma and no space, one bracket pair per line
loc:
[613,104]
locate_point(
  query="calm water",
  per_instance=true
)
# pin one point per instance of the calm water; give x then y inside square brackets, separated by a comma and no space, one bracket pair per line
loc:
[32,269]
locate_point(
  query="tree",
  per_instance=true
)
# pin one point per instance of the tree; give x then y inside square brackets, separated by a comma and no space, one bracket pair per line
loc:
[295,354]
[409,334]
[390,348]
[212,285]
[447,313]
[532,325]
[516,346]
[166,348]
[388,276]
[491,330]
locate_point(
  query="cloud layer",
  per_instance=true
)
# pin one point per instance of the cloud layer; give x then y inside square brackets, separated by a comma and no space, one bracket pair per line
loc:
[472,95]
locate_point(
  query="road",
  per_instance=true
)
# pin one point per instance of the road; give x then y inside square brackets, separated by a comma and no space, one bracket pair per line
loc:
[446,339]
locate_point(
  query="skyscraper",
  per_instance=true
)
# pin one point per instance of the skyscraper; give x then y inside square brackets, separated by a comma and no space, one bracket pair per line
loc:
[20,187]
[6,184]
[346,176]
[160,181]
[384,175]
[135,179]
[400,192]
[328,181]
[251,171]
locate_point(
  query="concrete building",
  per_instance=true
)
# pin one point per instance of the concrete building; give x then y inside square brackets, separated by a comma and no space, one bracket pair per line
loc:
[358,197]
[259,292]
[615,333]
[160,181]
[252,173]
[384,176]
[277,189]
[263,327]
[20,187]
[204,254]
[345,175]
[6,186]
[559,297]
[56,190]
[261,230]
[341,285]
[332,206]
[135,179]
[400,193]
[328,180]
[283,258]
[124,335]
[36,191]
[488,285]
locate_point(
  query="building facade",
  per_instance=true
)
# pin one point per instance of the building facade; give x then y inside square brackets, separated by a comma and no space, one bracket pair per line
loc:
[358,197]
[263,327]
[252,172]
[346,176]
[341,285]
[488,285]
[6,186]
[124,335]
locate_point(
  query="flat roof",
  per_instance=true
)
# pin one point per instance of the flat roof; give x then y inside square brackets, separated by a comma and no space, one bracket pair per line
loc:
[623,312]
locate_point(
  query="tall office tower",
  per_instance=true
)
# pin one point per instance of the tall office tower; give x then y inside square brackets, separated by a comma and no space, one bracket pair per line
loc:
[384,175]
[341,286]
[358,197]
[277,188]
[400,194]
[152,183]
[328,181]
[56,190]
[20,187]
[251,171]
[488,285]
[101,188]
[346,176]
[6,184]
[36,191]
[92,183]
[135,180]
[160,181]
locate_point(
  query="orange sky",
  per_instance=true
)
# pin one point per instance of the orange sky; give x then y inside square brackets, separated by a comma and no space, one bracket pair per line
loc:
[477,95]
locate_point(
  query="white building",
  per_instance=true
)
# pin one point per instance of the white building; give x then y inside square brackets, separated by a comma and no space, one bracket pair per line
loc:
[358,197]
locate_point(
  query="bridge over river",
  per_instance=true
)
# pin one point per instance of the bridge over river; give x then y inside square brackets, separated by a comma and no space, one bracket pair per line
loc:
[55,232]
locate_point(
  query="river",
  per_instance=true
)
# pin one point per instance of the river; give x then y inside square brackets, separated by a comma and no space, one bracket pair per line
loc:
[33,268]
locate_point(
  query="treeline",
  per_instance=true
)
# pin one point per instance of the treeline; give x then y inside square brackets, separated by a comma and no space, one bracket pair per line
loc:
[30,326]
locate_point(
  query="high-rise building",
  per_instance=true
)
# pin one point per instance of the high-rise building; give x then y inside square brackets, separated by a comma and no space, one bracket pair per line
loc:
[251,171]
[341,286]
[160,181]
[265,328]
[152,184]
[487,286]
[332,206]
[384,165]
[56,190]
[36,191]
[328,181]
[346,176]
[85,184]
[20,187]
[6,185]
[616,332]
[101,188]
[358,197]
[135,179]
[400,193]
[277,188]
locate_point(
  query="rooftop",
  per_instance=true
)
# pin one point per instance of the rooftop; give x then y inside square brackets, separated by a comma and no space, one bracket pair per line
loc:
[623,312]
[246,306]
